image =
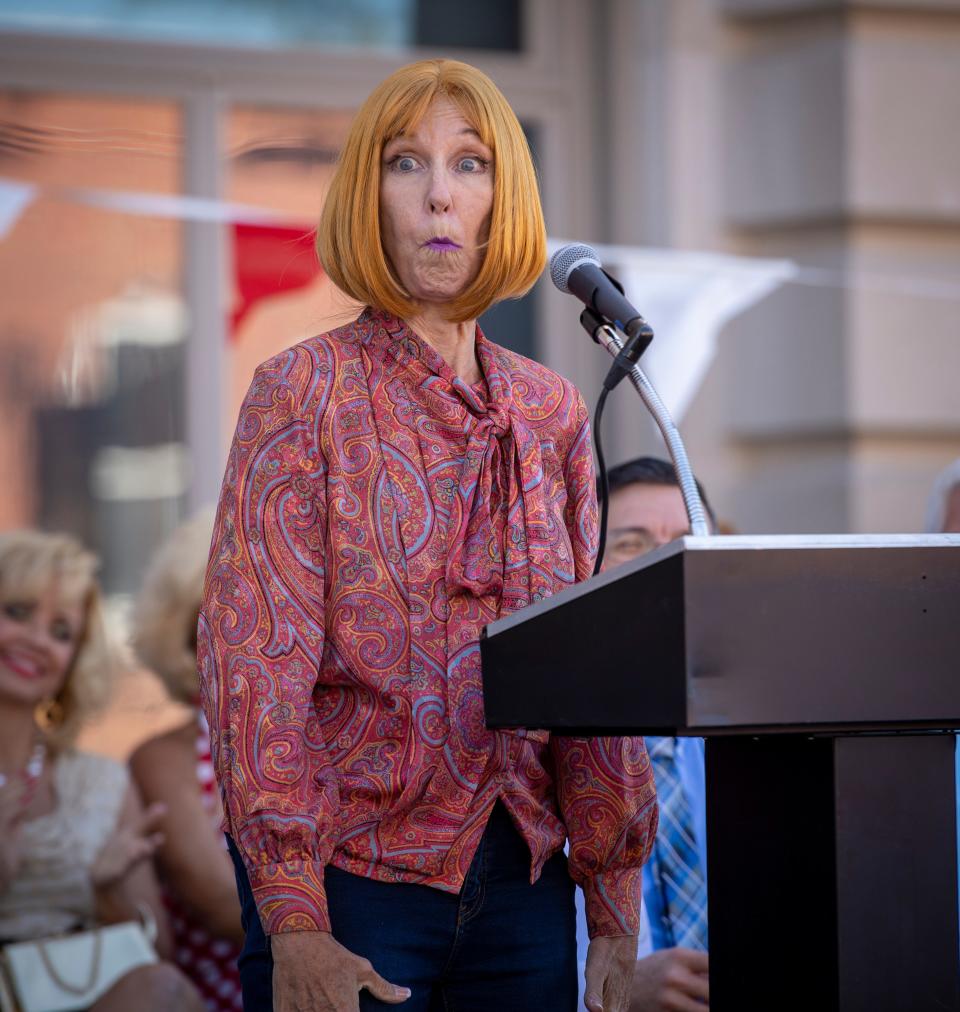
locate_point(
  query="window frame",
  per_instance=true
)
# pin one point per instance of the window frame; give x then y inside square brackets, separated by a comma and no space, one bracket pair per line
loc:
[552,84]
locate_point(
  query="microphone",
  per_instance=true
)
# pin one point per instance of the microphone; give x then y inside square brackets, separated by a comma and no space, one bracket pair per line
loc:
[575,269]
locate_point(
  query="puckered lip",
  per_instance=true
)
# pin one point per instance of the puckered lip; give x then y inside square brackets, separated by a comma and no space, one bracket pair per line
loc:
[441,242]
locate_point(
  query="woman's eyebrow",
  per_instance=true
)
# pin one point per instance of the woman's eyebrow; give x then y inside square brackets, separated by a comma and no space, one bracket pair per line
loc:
[412,137]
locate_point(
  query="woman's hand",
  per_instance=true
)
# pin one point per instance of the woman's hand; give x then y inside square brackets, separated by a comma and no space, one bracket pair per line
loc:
[131,843]
[123,878]
[609,974]
[312,972]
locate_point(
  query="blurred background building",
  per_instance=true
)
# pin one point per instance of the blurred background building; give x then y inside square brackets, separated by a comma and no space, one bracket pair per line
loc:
[162,163]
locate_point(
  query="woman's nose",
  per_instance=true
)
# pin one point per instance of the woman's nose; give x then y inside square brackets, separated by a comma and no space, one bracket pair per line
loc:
[38,635]
[439,193]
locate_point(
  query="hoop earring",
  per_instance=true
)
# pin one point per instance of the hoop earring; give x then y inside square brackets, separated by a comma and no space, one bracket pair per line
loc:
[49,714]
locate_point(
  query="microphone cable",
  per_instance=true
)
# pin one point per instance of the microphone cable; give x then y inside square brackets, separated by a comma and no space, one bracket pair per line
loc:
[604,481]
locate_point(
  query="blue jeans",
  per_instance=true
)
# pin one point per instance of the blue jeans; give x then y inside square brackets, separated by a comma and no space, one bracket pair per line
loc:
[501,944]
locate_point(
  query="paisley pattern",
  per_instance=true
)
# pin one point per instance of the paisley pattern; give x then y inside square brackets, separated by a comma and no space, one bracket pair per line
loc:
[376,513]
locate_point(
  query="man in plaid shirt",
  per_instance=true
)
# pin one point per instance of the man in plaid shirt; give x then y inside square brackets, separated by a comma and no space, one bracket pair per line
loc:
[646,511]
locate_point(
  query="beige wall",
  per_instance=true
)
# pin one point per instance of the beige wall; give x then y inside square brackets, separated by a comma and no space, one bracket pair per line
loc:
[828,133]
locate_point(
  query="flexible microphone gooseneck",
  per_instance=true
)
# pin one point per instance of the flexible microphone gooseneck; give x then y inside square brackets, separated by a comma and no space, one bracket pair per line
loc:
[576,269]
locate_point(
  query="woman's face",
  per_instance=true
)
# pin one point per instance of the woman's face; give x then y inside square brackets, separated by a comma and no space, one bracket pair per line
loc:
[436,194]
[38,638]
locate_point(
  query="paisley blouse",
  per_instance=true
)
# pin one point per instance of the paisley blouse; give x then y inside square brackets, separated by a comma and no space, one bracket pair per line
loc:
[376,513]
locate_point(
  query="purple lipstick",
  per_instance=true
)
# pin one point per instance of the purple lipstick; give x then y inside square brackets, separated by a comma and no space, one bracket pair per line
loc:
[442,244]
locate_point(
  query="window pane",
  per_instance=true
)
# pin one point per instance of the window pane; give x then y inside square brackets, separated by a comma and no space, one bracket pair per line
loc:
[92,324]
[261,23]
[480,24]
[281,160]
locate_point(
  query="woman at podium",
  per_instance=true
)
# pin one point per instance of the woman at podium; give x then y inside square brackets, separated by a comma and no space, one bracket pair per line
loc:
[392,487]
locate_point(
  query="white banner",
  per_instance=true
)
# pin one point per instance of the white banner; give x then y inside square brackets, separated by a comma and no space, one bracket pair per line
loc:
[687,297]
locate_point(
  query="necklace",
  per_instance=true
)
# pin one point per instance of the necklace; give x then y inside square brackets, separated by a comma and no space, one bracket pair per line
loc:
[29,775]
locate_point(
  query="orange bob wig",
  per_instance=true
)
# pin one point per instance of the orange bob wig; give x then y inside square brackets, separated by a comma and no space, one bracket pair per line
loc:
[349,241]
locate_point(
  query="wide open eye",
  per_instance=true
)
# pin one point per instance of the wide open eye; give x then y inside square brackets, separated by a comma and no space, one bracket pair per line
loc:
[472,165]
[403,163]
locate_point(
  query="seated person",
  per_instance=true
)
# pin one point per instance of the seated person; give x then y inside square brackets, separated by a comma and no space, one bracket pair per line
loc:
[646,511]
[174,768]
[75,843]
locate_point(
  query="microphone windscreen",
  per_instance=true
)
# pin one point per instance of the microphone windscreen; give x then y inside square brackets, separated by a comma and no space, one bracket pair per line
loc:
[567,259]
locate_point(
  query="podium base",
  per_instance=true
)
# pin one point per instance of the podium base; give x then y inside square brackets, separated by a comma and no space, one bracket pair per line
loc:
[832,874]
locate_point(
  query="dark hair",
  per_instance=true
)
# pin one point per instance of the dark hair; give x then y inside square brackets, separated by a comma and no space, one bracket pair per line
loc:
[652,471]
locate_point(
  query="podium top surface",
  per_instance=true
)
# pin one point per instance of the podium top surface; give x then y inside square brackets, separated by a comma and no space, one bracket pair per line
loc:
[725,633]
[727,543]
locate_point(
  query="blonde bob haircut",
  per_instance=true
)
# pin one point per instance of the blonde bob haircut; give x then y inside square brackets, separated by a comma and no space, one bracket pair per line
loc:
[30,563]
[349,240]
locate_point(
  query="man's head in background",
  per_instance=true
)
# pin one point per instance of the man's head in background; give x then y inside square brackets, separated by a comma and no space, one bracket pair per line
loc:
[646,509]
[943,508]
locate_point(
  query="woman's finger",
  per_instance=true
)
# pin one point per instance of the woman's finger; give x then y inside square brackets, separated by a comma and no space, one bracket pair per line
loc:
[140,850]
[151,818]
[382,989]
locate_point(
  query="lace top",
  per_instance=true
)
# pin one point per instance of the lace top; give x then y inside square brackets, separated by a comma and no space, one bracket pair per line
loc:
[52,892]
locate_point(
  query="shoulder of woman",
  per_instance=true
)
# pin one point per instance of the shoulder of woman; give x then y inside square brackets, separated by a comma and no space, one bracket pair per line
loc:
[160,753]
[304,370]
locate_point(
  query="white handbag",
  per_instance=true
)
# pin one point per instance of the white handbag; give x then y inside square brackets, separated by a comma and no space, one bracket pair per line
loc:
[68,973]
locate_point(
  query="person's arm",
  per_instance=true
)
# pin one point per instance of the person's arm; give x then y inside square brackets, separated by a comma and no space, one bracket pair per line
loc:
[192,856]
[260,639]
[604,785]
[122,875]
[260,642]
[608,804]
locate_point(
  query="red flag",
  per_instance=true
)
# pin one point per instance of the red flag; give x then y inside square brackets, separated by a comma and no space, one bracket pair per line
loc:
[269,260]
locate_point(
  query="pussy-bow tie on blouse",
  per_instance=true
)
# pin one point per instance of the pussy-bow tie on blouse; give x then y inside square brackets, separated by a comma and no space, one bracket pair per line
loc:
[502,470]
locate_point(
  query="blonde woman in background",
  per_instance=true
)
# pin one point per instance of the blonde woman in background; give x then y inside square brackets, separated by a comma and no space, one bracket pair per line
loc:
[175,769]
[75,842]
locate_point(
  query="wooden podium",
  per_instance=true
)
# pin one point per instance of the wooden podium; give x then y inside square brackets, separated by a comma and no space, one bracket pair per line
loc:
[824,672]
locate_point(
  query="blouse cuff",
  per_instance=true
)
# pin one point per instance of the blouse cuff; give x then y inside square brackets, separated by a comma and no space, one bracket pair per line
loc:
[290,896]
[612,901]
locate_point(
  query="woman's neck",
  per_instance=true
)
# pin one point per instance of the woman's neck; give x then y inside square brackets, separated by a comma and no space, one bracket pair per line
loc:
[18,735]
[455,343]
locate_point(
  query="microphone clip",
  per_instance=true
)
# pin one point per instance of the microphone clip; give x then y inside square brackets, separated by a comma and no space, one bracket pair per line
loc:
[638,332]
